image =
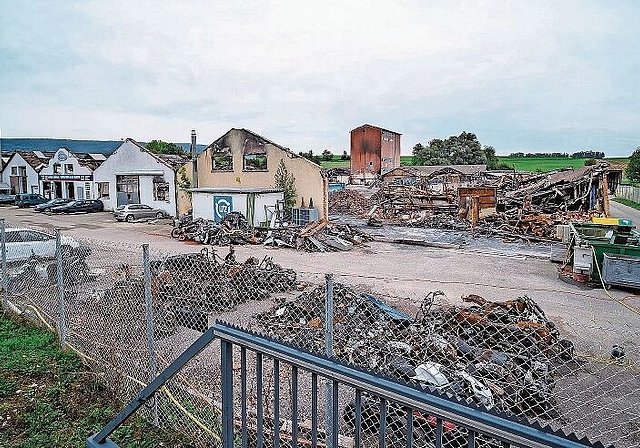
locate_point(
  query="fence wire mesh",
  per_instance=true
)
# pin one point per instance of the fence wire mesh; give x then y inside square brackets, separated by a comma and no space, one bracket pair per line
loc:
[534,356]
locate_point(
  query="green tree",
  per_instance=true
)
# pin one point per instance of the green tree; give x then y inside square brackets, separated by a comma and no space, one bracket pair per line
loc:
[327,155]
[633,168]
[310,156]
[463,149]
[490,156]
[160,147]
[345,156]
[285,181]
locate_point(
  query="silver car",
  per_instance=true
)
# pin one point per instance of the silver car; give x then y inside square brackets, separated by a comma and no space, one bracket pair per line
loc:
[133,212]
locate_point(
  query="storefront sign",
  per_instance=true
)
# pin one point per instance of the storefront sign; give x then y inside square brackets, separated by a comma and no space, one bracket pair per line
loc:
[67,177]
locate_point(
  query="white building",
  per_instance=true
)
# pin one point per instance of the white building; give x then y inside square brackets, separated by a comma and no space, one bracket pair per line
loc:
[21,171]
[69,175]
[134,175]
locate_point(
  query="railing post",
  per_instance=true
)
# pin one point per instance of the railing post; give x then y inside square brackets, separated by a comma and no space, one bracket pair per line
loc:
[328,342]
[148,306]
[226,358]
[62,326]
[5,278]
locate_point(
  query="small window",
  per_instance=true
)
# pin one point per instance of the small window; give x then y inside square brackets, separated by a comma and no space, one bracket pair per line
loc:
[22,170]
[14,170]
[103,190]
[160,189]
[221,162]
[68,168]
[255,162]
[56,168]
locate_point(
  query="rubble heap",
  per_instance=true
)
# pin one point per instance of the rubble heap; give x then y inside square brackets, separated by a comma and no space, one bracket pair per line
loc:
[348,202]
[317,236]
[498,354]
[531,224]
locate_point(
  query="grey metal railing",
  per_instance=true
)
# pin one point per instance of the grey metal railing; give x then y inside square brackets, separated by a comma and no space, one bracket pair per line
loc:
[474,426]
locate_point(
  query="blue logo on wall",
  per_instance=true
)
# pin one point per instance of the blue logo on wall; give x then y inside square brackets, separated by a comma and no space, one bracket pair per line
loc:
[221,206]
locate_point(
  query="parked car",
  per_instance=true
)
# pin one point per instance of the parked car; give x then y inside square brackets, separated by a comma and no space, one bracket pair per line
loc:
[81,206]
[29,199]
[7,199]
[132,212]
[50,204]
[21,244]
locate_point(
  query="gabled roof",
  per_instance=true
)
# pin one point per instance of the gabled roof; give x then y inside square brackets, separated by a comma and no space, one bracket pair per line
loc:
[375,127]
[173,161]
[35,162]
[264,139]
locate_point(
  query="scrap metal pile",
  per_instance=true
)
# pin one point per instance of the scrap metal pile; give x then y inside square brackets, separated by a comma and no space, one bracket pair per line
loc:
[233,229]
[501,355]
[186,288]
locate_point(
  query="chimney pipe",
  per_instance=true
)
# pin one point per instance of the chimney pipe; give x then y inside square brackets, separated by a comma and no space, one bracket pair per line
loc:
[194,160]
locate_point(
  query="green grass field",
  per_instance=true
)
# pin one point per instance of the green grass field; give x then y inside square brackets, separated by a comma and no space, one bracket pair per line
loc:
[542,163]
[518,163]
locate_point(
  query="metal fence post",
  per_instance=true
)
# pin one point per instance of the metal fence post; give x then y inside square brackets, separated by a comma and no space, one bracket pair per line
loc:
[62,326]
[148,306]
[5,278]
[226,364]
[328,342]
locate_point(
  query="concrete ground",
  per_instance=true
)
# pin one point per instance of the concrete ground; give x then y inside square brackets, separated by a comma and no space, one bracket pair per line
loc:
[619,210]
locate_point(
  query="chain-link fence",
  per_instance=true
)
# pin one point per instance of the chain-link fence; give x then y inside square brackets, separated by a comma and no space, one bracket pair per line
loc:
[131,310]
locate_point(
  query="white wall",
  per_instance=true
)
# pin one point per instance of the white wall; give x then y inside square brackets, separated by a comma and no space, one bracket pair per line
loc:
[130,159]
[32,176]
[203,204]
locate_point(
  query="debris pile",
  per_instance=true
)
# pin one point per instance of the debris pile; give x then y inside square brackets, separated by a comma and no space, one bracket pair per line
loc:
[532,225]
[233,229]
[348,202]
[186,287]
[317,236]
[497,354]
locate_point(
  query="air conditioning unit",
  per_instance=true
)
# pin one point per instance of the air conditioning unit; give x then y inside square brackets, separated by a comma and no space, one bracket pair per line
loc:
[304,215]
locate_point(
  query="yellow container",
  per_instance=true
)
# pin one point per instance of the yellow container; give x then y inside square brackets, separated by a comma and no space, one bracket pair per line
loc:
[606,221]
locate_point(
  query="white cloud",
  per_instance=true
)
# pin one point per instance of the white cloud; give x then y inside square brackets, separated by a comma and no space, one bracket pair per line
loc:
[305,73]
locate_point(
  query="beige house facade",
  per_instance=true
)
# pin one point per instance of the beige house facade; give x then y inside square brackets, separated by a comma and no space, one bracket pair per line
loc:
[245,160]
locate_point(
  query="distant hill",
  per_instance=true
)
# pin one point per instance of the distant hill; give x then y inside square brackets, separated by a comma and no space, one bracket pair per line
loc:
[106,147]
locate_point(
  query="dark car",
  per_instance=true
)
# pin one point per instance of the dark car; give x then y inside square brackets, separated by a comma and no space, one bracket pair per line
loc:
[50,204]
[81,206]
[7,199]
[29,199]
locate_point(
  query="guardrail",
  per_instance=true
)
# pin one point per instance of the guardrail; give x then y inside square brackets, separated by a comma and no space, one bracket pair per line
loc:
[400,414]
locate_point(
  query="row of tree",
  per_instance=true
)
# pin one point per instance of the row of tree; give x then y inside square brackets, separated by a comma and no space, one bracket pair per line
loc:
[463,149]
[565,155]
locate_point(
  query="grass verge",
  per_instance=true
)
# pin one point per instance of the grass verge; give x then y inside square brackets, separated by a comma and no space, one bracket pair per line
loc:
[49,398]
[628,203]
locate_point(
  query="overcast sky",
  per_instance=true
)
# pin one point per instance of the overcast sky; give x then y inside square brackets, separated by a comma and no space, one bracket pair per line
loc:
[532,76]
